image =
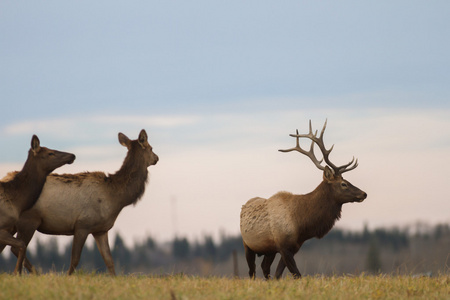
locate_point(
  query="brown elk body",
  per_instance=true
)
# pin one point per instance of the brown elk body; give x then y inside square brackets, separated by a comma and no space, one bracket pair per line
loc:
[89,203]
[20,193]
[282,223]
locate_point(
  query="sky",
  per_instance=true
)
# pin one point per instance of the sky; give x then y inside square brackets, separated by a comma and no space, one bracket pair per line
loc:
[219,86]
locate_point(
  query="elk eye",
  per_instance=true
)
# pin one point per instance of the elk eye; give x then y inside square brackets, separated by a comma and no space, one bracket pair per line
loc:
[51,154]
[344,185]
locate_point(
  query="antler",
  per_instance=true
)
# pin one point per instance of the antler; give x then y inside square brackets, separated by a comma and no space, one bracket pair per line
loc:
[309,153]
[319,141]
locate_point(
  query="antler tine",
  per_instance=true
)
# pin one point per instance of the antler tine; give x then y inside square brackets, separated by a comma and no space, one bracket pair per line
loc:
[345,166]
[310,128]
[344,169]
[297,144]
[323,129]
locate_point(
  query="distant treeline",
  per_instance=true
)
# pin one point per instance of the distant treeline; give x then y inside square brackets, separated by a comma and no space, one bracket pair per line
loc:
[422,249]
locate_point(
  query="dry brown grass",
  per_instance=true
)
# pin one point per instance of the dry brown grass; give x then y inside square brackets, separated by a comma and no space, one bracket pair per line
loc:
[96,286]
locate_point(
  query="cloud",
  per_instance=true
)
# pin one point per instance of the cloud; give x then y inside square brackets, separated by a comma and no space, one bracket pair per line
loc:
[58,126]
[148,121]
[54,127]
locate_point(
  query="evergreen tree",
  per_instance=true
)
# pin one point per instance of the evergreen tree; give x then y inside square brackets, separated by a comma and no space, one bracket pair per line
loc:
[373,261]
[227,245]
[7,264]
[180,248]
[121,255]
[210,248]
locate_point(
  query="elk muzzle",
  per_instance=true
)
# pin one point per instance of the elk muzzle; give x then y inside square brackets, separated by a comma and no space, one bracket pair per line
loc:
[360,198]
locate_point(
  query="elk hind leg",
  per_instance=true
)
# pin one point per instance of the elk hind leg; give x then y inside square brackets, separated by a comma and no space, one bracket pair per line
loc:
[103,246]
[288,258]
[250,256]
[266,263]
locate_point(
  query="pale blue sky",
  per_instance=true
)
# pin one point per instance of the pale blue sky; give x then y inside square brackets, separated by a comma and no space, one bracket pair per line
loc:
[210,79]
[60,58]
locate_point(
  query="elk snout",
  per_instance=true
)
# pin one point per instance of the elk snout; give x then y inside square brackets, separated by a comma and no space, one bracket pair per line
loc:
[360,198]
[72,159]
[155,159]
[65,157]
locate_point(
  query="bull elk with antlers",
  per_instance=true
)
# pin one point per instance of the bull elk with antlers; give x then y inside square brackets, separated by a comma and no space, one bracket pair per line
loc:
[282,223]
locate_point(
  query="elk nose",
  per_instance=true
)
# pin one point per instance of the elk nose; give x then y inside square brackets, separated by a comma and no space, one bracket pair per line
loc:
[361,197]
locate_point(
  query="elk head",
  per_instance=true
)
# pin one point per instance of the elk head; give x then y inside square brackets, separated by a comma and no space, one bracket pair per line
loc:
[140,145]
[48,159]
[342,190]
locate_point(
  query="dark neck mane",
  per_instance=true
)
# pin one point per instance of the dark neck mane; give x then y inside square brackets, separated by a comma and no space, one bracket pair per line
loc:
[26,186]
[131,178]
[323,211]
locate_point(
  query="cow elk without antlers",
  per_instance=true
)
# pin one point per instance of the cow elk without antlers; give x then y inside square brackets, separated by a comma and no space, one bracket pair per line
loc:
[282,223]
[20,193]
[90,202]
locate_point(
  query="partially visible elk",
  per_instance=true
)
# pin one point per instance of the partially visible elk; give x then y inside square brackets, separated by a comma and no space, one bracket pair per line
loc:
[89,203]
[20,193]
[282,223]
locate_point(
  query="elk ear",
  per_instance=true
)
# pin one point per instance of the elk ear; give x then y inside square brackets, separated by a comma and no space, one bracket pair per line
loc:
[328,174]
[142,138]
[35,144]
[124,140]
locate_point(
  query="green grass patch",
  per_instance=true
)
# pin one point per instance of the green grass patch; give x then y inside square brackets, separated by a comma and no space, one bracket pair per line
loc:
[98,286]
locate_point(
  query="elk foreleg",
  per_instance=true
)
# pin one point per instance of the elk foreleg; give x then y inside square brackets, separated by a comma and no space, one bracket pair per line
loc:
[103,246]
[266,263]
[250,256]
[26,229]
[26,262]
[7,239]
[288,258]
[12,232]
[79,238]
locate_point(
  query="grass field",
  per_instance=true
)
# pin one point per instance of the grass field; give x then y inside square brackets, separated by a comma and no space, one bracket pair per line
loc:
[97,286]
